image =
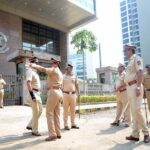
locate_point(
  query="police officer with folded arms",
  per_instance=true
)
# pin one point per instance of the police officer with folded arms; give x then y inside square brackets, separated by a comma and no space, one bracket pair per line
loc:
[34,87]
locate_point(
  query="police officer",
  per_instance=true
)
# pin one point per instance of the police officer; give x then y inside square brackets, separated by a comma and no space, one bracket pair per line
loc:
[70,87]
[133,79]
[147,85]
[2,83]
[33,84]
[122,100]
[54,97]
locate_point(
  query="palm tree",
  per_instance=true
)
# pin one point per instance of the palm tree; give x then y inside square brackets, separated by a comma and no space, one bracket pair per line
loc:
[84,40]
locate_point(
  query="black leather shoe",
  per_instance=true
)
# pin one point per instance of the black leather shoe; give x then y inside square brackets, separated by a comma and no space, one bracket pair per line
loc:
[131,138]
[146,139]
[66,128]
[29,128]
[75,127]
[58,136]
[36,134]
[115,123]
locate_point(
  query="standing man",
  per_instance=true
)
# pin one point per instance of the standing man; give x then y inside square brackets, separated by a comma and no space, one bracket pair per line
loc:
[70,87]
[54,97]
[147,85]
[34,87]
[2,83]
[122,99]
[134,79]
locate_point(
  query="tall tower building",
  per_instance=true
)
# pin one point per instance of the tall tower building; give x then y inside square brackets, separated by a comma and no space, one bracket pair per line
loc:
[135,15]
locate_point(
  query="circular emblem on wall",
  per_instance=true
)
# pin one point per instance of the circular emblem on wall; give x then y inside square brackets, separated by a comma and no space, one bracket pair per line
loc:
[3,43]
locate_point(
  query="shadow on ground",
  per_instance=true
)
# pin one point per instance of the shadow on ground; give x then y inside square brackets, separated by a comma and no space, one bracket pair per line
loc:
[111,130]
[12,139]
[129,146]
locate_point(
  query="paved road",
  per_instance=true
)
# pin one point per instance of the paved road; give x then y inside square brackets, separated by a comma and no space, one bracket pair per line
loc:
[95,133]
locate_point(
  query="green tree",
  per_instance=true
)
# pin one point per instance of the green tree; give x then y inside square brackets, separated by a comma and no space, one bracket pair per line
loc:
[82,41]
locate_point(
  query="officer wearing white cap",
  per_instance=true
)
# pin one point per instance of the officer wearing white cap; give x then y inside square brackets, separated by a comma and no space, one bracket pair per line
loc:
[122,99]
[133,80]
[54,97]
[147,85]
[34,87]
[70,87]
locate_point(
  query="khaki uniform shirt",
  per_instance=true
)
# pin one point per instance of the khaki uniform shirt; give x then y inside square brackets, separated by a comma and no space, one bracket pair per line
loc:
[147,81]
[55,77]
[134,65]
[31,75]
[69,83]
[120,79]
[2,83]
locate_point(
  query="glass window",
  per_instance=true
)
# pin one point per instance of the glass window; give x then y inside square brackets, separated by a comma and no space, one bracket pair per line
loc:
[131,1]
[123,8]
[125,30]
[39,37]
[124,24]
[125,35]
[123,3]
[124,19]
[102,78]
[125,41]
[123,14]
[20,68]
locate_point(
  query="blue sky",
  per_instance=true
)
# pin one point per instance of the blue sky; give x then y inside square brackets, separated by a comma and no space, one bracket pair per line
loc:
[107,29]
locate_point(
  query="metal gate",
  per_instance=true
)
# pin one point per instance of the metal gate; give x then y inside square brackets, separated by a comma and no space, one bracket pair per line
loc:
[13,90]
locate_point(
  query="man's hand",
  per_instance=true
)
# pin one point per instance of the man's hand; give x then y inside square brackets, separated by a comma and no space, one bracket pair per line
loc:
[34,100]
[138,92]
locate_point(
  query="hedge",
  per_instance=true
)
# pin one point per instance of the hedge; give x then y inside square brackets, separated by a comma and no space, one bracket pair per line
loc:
[88,99]
[98,98]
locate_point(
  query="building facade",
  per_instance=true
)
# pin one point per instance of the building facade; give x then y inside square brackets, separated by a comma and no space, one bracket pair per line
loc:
[77,61]
[106,75]
[39,28]
[135,26]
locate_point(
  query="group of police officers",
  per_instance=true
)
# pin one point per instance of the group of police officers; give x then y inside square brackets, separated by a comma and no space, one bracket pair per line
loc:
[128,88]
[60,88]
[129,92]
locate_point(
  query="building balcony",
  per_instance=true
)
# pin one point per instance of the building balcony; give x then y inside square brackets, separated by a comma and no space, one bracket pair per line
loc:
[64,15]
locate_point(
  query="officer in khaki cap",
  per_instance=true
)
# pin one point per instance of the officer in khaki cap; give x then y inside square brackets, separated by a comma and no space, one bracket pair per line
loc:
[2,83]
[147,85]
[70,87]
[54,97]
[133,80]
[33,84]
[122,99]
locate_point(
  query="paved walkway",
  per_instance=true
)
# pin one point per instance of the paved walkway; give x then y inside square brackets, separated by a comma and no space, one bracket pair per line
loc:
[95,132]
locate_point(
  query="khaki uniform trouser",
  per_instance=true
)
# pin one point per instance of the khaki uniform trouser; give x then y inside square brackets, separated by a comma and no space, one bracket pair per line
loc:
[69,101]
[54,97]
[1,97]
[36,112]
[136,110]
[123,106]
[148,99]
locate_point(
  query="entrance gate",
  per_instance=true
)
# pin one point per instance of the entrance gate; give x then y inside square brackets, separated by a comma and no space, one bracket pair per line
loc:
[13,90]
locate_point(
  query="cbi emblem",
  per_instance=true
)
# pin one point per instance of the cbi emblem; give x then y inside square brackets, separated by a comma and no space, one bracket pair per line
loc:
[3,43]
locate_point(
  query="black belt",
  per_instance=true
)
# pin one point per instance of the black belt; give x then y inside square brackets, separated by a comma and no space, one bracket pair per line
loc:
[69,92]
[37,90]
[147,89]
